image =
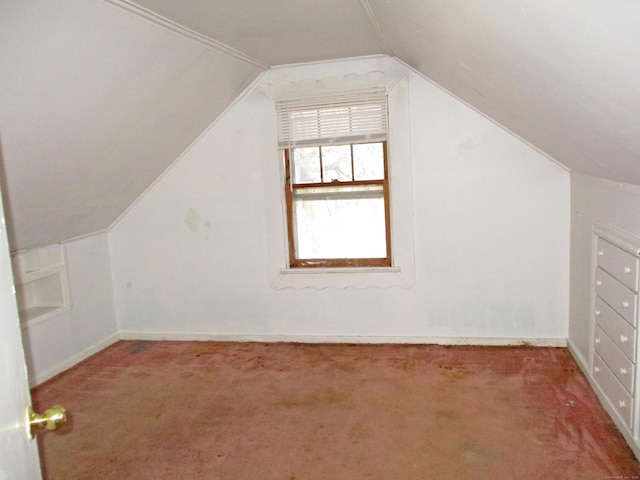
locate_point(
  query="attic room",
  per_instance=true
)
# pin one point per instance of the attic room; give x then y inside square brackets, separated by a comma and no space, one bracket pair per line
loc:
[142,175]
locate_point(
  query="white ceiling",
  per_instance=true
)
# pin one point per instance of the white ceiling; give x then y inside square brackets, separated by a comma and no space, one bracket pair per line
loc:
[98,97]
[278,32]
[563,75]
[95,103]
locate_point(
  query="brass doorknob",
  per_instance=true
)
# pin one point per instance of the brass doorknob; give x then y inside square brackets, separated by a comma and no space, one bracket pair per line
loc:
[50,419]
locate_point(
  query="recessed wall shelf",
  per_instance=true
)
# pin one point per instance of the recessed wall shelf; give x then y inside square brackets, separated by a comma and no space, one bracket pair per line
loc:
[42,289]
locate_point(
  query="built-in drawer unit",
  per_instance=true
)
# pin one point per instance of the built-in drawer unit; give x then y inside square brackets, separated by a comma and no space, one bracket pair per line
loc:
[615,315]
[617,328]
[620,399]
[617,361]
[620,264]
[618,296]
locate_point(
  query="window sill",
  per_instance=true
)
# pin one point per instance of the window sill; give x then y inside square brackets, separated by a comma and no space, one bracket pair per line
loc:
[338,270]
[358,277]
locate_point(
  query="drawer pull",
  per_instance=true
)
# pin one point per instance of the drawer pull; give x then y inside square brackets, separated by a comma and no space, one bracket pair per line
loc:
[596,369]
[627,269]
[625,304]
[600,253]
[624,339]
[597,312]
[622,403]
[598,283]
[623,371]
[597,341]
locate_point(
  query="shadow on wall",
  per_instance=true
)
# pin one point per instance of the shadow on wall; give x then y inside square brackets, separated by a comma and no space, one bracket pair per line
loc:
[5,198]
[9,223]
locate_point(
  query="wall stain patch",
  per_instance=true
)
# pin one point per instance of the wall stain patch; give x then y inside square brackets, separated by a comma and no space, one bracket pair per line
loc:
[192,220]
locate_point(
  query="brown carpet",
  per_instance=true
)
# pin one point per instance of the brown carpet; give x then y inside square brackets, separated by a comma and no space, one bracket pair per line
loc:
[205,410]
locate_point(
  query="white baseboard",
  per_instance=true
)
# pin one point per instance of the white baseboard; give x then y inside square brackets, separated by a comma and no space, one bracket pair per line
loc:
[272,338]
[75,359]
[578,357]
[285,338]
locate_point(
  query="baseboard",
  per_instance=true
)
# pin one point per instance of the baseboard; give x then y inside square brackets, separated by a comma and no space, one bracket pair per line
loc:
[486,341]
[273,338]
[75,359]
[578,357]
[285,338]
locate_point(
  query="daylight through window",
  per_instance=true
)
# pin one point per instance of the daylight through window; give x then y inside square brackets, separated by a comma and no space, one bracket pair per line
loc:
[336,182]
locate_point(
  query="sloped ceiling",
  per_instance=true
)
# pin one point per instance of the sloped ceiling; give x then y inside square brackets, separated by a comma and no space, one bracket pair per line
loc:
[95,103]
[98,97]
[563,75]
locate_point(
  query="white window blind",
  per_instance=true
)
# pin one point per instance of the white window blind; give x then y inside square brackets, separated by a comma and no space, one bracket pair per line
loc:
[342,119]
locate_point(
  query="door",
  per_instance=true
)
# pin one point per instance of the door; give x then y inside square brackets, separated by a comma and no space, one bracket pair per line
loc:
[18,453]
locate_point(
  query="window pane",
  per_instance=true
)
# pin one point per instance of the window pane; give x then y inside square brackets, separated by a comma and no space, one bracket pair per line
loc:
[340,222]
[368,161]
[336,163]
[305,165]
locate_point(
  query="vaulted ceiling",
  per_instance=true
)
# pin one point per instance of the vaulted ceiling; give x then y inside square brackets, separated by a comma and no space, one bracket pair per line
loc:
[99,97]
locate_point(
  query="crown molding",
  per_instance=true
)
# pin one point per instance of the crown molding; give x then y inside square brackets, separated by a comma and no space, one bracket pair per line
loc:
[164,22]
[373,22]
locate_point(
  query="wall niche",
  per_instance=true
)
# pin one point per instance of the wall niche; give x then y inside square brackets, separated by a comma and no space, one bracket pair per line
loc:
[42,289]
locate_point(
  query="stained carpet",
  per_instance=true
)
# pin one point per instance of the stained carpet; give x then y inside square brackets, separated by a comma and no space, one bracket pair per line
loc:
[252,411]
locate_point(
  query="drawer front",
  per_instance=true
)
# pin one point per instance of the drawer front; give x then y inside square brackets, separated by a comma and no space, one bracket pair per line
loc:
[619,297]
[620,264]
[621,332]
[617,395]
[617,361]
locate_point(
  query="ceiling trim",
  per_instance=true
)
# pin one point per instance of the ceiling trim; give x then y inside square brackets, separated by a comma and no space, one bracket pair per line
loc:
[373,22]
[329,60]
[164,22]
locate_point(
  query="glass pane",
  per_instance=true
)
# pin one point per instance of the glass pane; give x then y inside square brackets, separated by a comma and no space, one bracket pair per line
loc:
[336,163]
[340,222]
[368,161]
[305,165]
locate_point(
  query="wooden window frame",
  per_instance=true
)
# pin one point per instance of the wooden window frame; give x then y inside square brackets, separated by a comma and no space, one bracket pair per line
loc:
[289,186]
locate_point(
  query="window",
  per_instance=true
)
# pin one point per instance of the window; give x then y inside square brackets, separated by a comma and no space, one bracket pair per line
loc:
[275,109]
[336,181]
[338,206]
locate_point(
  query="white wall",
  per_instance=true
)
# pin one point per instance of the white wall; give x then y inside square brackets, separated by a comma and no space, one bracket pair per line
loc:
[490,220]
[613,204]
[57,343]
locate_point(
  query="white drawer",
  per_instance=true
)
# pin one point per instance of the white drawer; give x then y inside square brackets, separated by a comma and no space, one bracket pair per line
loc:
[617,361]
[614,391]
[621,332]
[621,264]
[619,297]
